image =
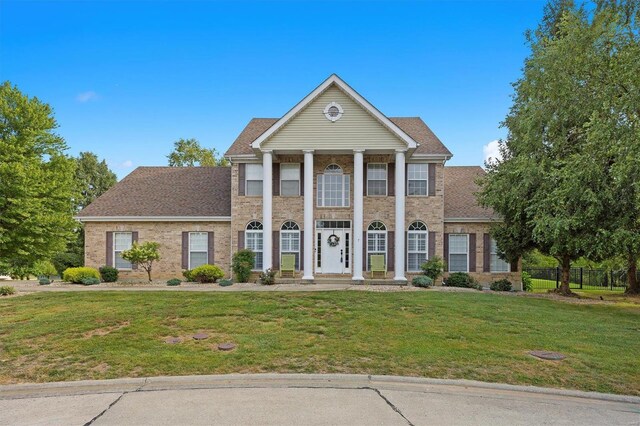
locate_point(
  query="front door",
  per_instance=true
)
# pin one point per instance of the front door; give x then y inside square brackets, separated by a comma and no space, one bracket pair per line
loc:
[333,252]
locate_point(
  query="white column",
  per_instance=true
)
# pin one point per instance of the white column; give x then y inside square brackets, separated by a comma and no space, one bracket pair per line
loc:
[358,201]
[400,228]
[267,201]
[309,228]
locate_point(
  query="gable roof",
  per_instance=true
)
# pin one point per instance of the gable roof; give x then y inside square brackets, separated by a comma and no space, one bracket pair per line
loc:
[166,192]
[460,188]
[428,142]
[334,80]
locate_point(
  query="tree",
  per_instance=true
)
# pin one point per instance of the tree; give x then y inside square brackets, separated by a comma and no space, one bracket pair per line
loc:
[189,153]
[143,255]
[36,181]
[93,178]
[546,196]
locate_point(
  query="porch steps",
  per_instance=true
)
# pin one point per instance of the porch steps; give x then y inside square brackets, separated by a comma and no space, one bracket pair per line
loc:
[340,280]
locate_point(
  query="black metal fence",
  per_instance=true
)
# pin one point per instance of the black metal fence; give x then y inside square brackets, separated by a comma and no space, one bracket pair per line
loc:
[579,278]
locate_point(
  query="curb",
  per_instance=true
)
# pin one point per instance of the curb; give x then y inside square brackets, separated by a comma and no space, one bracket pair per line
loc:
[266,380]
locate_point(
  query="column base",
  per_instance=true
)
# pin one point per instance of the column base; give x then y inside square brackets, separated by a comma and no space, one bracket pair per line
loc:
[360,278]
[400,278]
[307,278]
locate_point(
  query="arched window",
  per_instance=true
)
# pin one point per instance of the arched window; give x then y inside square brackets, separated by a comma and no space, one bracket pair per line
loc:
[253,241]
[376,241]
[290,240]
[417,245]
[333,187]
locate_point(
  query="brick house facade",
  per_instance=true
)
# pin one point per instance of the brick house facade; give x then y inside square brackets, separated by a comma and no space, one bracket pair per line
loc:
[332,182]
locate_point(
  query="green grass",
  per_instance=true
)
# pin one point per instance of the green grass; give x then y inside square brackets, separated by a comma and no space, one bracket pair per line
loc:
[97,335]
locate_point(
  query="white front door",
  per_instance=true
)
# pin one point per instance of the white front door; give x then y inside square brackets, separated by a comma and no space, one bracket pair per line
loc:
[333,256]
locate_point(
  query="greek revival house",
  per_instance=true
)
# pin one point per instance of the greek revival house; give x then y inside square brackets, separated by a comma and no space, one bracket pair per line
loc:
[333,182]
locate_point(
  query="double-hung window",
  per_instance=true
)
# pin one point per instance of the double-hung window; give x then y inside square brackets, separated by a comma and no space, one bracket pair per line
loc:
[253,179]
[376,241]
[253,241]
[497,264]
[458,253]
[417,238]
[290,179]
[121,241]
[417,178]
[198,249]
[333,187]
[376,179]
[290,241]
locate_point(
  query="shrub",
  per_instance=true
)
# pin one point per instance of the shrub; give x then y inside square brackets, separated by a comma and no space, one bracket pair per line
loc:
[207,273]
[143,255]
[44,281]
[45,269]
[501,285]
[7,290]
[226,282]
[75,275]
[433,267]
[64,261]
[422,281]
[90,281]
[174,282]
[242,264]
[109,274]
[527,282]
[188,275]
[268,277]
[461,279]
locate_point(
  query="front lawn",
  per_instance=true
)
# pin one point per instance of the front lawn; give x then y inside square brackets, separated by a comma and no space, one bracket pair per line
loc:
[98,335]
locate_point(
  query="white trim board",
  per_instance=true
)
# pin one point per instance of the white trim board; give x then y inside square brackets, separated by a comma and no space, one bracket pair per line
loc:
[334,79]
[154,219]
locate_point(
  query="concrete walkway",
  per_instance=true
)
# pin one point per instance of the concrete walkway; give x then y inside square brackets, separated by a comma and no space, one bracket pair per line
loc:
[294,399]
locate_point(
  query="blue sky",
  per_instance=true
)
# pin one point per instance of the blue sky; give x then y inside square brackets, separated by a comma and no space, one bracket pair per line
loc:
[126,79]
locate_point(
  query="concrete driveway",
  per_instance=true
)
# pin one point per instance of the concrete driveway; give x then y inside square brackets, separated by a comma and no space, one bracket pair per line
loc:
[294,399]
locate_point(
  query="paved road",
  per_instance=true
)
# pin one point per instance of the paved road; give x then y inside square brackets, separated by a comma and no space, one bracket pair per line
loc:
[273,399]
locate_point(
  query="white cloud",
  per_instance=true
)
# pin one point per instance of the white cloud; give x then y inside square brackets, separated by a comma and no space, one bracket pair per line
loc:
[126,164]
[491,151]
[86,96]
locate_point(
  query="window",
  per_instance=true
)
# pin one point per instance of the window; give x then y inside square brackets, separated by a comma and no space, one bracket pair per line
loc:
[497,264]
[376,241]
[417,239]
[376,179]
[458,253]
[253,241]
[417,175]
[290,240]
[253,179]
[198,249]
[121,241]
[290,179]
[333,187]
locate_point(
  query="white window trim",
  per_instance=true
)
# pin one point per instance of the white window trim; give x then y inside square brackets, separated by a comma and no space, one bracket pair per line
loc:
[115,251]
[386,180]
[346,179]
[495,253]
[291,231]
[299,179]
[246,180]
[198,251]
[467,253]
[246,245]
[426,194]
[386,248]
[426,250]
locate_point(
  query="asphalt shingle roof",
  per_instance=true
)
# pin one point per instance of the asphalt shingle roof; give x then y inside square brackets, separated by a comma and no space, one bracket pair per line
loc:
[167,191]
[460,188]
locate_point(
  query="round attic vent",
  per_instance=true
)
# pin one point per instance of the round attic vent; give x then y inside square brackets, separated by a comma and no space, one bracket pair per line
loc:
[333,111]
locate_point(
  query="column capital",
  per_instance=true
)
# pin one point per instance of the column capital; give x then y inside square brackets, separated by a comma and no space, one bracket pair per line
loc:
[308,151]
[358,151]
[401,151]
[267,151]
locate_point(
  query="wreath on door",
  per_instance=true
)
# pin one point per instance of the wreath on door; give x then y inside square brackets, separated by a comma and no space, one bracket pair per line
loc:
[333,240]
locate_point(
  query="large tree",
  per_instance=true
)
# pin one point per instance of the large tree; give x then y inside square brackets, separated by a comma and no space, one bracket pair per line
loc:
[36,181]
[544,202]
[93,178]
[189,153]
